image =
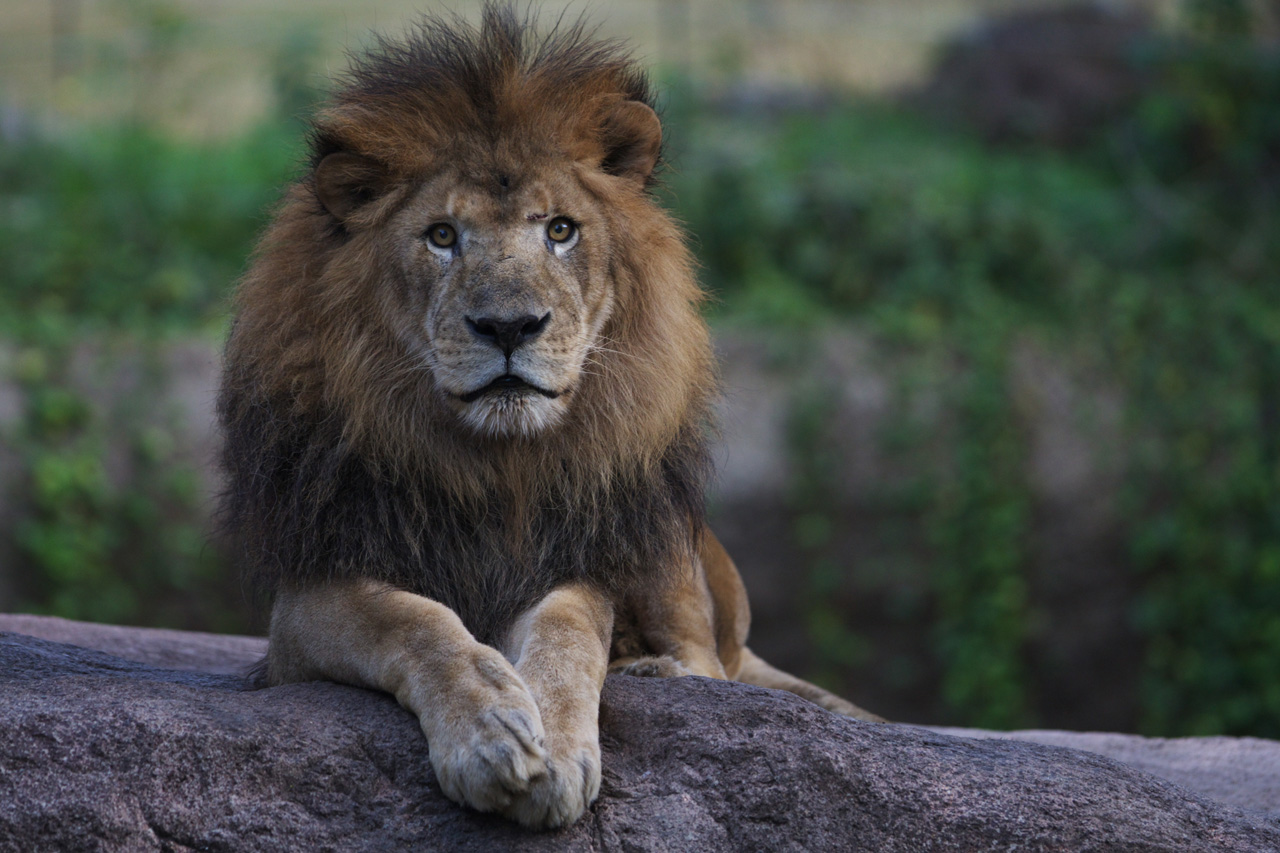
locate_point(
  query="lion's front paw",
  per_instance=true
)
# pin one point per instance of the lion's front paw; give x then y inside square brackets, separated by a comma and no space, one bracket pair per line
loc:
[650,666]
[486,747]
[561,796]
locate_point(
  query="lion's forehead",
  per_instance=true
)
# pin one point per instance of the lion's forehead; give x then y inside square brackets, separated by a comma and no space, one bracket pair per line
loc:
[483,205]
[499,195]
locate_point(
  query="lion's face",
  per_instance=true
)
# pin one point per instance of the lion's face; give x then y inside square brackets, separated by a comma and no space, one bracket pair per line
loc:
[499,285]
[490,243]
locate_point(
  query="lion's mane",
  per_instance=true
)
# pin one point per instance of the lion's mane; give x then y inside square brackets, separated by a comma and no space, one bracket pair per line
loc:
[342,462]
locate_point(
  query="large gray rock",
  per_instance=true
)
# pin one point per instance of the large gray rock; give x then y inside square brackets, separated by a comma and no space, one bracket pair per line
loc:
[162,746]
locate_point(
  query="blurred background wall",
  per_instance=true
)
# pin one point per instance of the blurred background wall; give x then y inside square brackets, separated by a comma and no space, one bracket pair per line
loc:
[998,306]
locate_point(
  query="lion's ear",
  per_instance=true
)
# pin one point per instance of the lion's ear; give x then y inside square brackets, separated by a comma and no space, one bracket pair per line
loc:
[346,182]
[632,140]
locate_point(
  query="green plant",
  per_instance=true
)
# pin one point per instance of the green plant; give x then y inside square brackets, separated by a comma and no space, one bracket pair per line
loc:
[1159,277]
[126,228]
[814,497]
[116,241]
[979,520]
[109,524]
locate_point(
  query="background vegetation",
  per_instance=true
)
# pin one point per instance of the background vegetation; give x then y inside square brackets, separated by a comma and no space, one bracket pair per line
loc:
[1148,258]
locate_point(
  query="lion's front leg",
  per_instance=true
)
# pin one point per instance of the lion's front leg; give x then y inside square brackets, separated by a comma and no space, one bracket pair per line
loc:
[484,731]
[561,650]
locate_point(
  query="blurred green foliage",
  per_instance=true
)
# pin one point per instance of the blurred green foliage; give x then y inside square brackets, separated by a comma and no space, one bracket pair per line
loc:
[1151,260]
[123,228]
[117,240]
[120,545]
[1212,118]
[814,499]
[948,250]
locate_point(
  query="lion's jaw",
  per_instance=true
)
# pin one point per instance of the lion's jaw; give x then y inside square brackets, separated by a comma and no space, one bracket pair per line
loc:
[511,316]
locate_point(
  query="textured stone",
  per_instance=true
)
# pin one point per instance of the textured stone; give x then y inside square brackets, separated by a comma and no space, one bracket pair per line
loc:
[100,752]
[1053,74]
[1238,771]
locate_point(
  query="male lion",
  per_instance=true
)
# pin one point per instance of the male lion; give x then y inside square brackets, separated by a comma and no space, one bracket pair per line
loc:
[467,398]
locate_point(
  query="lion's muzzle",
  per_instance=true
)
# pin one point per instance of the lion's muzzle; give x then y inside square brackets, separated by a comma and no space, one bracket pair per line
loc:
[507,334]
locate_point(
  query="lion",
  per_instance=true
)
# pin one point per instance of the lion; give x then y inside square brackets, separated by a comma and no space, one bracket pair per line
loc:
[467,406]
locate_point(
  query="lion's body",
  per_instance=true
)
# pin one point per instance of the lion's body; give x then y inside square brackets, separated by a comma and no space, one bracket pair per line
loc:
[314,510]
[467,404]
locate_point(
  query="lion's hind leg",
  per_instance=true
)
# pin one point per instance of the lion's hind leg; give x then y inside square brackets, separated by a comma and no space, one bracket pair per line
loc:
[755,671]
[649,666]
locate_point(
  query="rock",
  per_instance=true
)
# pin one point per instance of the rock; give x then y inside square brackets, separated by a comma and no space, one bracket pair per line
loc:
[1052,75]
[195,651]
[157,743]
[1238,771]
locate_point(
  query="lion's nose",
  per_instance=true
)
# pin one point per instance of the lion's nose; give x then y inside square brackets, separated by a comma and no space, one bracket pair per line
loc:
[507,335]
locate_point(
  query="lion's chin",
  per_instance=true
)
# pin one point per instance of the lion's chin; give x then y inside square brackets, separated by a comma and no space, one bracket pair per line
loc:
[512,414]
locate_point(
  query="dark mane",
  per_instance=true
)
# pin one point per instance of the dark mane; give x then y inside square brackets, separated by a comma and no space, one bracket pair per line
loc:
[308,510]
[469,77]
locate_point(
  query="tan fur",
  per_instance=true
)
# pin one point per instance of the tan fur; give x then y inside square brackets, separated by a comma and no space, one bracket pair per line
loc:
[366,359]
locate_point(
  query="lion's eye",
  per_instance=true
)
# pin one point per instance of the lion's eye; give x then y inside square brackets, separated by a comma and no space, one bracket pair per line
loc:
[442,235]
[561,229]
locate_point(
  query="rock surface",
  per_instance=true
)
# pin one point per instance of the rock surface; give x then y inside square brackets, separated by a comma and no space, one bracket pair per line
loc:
[1238,771]
[153,741]
[1052,74]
